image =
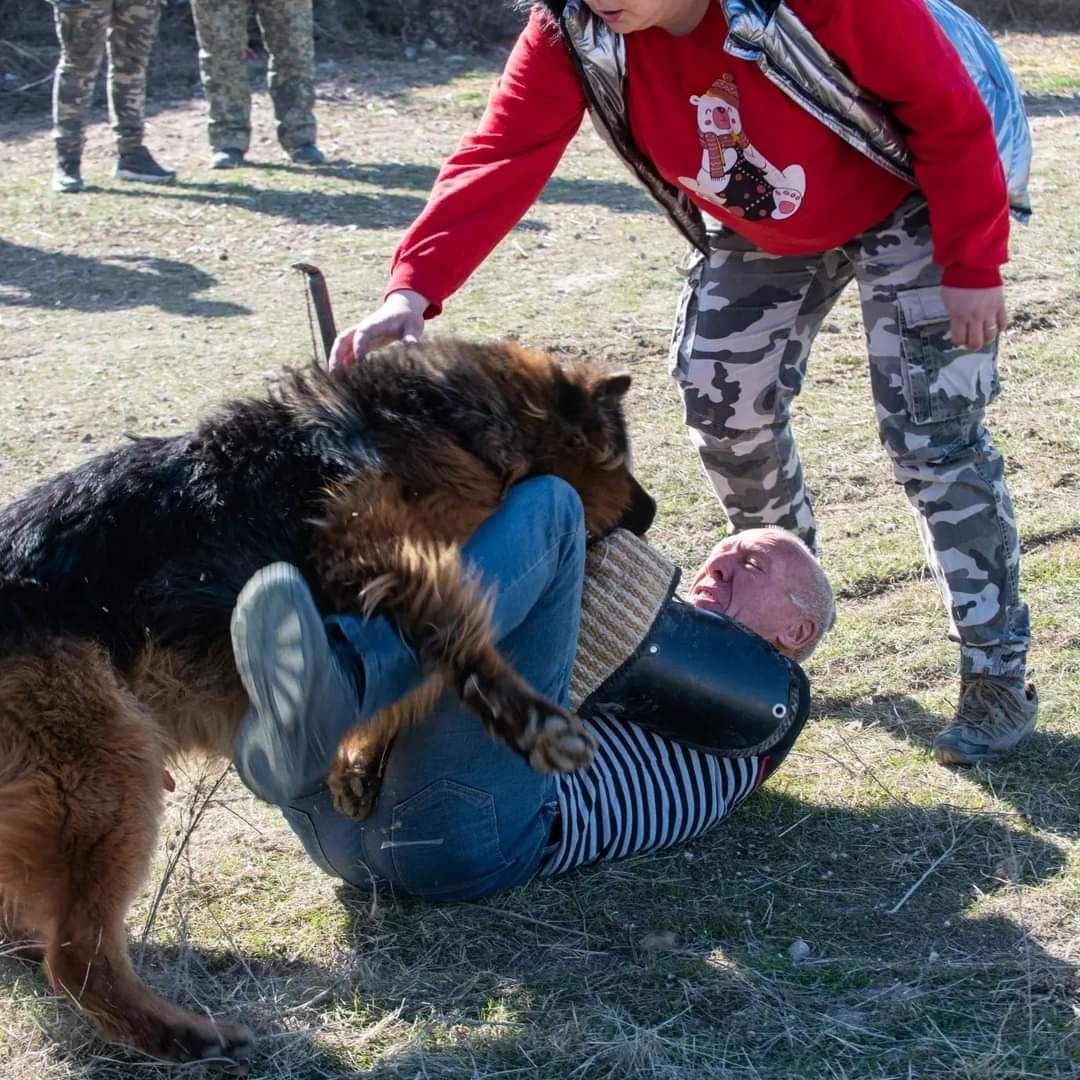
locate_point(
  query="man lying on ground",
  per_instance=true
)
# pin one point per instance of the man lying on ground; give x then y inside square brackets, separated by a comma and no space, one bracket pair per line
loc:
[460,816]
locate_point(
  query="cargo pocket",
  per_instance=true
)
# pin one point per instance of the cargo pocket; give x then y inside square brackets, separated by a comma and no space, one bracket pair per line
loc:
[941,380]
[445,840]
[685,326]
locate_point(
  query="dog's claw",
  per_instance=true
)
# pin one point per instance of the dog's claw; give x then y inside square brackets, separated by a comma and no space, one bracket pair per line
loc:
[354,787]
[550,740]
[563,746]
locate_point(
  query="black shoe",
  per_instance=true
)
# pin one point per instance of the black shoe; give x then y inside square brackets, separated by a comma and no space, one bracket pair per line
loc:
[138,164]
[308,154]
[66,178]
[227,159]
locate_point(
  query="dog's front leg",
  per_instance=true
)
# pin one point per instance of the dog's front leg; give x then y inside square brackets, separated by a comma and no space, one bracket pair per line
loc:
[382,560]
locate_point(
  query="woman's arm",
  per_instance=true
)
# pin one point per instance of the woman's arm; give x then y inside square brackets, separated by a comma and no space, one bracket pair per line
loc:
[896,50]
[486,185]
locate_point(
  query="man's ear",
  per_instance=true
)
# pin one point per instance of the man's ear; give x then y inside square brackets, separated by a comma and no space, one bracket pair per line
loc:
[796,636]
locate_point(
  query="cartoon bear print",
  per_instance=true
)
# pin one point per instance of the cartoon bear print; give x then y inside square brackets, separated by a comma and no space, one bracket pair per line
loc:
[733,174]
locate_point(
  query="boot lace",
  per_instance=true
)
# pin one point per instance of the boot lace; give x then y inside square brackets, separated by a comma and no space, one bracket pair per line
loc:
[991,706]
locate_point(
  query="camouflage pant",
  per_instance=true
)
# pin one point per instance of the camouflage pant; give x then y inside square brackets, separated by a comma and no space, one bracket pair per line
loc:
[742,336]
[287,30]
[87,29]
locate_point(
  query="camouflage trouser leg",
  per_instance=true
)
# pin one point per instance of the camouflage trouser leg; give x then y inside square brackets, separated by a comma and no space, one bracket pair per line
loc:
[742,335]
[744,329]
[221,26]
[931,399]
[288,31]
[131,37]
[81,29]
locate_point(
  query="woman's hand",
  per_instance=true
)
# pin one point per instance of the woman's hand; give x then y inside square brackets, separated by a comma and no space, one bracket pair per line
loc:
[401,318]
[976,316]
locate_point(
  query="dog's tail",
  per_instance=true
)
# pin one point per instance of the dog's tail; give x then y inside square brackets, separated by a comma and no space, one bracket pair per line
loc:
[79,759]
[32,866]
[32,809]
[22,603]
[31,821]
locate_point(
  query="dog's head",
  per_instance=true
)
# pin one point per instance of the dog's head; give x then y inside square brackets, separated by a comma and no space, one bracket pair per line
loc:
[588,446]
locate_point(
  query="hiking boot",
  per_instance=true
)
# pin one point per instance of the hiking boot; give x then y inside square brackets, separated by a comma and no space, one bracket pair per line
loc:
[66,177]
[304,691]
[308,154]
[138,164]
[994,714]
[227,159]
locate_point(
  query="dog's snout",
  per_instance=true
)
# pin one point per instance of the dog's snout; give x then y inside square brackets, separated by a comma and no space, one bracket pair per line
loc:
[639,514]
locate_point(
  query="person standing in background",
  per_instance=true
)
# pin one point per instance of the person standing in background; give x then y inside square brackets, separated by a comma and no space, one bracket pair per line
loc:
[86,29]
[287,29]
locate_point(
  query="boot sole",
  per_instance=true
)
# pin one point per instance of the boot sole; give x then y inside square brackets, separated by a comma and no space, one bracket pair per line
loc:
[950,755]
[281,650]
[123,174]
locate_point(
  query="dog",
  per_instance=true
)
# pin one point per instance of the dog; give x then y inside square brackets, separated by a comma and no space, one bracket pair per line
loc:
[118,578]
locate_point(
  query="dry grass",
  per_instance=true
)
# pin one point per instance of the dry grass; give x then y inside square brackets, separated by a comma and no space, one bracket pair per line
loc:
[940,909]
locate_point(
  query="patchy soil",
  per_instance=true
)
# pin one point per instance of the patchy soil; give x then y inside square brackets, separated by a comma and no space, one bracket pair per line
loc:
[134,309]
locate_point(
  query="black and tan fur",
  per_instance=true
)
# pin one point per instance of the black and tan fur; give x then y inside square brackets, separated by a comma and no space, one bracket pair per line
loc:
[117,581]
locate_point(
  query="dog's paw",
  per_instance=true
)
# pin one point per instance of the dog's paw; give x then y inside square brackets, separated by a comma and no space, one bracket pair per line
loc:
[546,736]
[562,745]
[227,1047]
[232,1054]
[354,786]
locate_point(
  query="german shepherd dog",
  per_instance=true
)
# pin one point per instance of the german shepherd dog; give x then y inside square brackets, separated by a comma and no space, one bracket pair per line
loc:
[118,578]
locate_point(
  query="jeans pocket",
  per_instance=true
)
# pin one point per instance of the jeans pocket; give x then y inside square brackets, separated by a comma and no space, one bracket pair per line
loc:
[445,839]
[941,381]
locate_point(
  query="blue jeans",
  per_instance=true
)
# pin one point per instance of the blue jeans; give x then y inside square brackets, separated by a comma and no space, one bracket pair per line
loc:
[458,816]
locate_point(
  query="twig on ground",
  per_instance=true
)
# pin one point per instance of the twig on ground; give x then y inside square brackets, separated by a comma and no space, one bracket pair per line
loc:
[529,919]
[784,832]
[174,860]
[918,884]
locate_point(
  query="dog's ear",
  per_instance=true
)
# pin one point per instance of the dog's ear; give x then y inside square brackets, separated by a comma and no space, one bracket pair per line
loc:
[571,400]
[612,387]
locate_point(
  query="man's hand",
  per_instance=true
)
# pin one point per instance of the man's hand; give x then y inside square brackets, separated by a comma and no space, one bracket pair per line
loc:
[401,318]
[976,316]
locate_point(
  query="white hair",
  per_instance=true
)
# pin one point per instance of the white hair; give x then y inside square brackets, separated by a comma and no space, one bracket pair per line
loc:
[813,598]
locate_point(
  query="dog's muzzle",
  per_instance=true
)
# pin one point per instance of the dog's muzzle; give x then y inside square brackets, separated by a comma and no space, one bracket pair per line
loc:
[638,516]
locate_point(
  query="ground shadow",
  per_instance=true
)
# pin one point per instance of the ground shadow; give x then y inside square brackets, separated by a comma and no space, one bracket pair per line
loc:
[1046,763]
[30,277]
[221,979]
[885,957]
[561,967]
[378,210]
[368,210]
[1052,104]
[612,194]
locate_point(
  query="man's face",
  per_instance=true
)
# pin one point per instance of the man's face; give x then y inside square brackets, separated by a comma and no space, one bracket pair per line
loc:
[749,577]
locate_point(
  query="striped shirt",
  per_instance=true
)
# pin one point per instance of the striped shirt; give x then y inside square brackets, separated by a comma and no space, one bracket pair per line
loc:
[642,793]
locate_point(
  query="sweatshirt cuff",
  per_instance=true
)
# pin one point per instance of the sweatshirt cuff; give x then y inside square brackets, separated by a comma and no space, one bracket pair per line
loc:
[961,277]
[405,277]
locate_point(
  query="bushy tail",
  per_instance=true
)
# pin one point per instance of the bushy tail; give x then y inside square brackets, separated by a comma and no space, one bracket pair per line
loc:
[22,604]
[30,855]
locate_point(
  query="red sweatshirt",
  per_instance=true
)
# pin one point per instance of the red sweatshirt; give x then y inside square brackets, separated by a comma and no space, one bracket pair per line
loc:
[740,148]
